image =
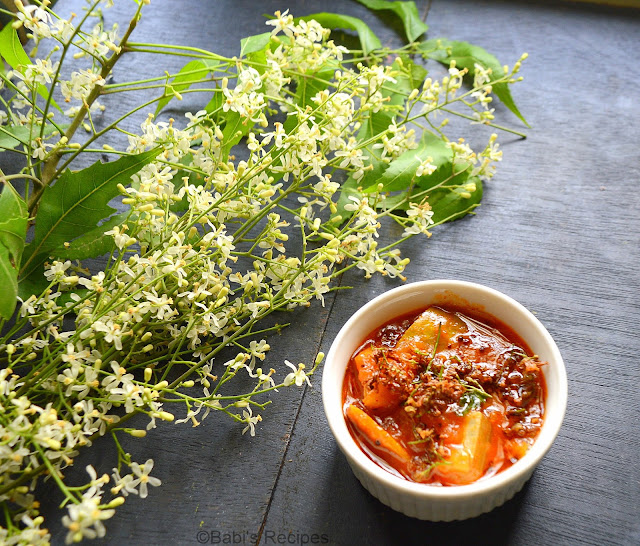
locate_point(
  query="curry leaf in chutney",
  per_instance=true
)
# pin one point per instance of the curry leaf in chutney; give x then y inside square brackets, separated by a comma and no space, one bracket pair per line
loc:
[472,399]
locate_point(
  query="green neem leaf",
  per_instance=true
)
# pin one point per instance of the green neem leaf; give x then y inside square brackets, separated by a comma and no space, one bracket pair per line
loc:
[91,244]
[401,172]
[349,188]
[13,221]
[11,50]
[195,179]
[310,84]
[191,73]
[13,230]
[451,203]
[409,76]
[414,27]
[214,106]
[12,137]
[441,157]
[76,204]
[450,190]
[36,283]
[254,50]
[375,124]
[368,40]
[251,44]
[466,56]
[8,284]
[375,165]
[235,128]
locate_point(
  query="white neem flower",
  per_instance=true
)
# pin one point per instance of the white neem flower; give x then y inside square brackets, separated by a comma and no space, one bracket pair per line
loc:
[81,84]
[39,149]
[120,238]
[57,270]
[99,43]
[297,376]
[130,394]
[112,332]
[84,519]
[421,217]
[399,142]
[39,73]
[63,30]
[426,167]
[244,99]
[34,18]
[124,485]
[119,377]
[374,77]
[96,482]
[142,479]
[95,283]
[282,22]
[251,421]
[31,534]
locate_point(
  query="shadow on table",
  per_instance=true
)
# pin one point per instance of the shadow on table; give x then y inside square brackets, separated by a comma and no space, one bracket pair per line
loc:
[357,515]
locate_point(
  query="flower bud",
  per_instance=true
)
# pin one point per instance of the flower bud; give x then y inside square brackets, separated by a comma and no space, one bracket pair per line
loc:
[114,503]
[53,444]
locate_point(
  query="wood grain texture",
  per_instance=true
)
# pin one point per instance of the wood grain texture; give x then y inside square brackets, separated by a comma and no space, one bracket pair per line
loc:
[558,230]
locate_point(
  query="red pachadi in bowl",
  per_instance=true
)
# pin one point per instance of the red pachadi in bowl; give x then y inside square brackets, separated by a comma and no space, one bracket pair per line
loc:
[444,396]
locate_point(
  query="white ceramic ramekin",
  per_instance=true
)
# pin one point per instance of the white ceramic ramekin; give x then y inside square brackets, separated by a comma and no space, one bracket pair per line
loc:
[426,501]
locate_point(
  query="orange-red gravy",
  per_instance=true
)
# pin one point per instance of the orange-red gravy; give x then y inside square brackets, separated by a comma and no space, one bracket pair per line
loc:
[444,396]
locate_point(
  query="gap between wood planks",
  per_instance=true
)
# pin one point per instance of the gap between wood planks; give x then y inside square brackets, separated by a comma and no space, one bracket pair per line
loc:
[295,421]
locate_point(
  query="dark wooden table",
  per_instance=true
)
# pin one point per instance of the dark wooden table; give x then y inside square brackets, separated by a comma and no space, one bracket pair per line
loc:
[558,230]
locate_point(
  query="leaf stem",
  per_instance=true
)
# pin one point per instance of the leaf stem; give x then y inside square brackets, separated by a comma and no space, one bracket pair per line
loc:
[50,172]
